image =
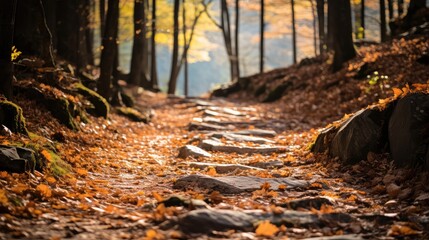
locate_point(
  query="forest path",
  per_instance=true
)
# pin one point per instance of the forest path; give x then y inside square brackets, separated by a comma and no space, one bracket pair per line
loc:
[251,168]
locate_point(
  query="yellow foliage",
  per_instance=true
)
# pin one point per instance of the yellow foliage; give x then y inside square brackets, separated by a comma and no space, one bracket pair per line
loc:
[14,54]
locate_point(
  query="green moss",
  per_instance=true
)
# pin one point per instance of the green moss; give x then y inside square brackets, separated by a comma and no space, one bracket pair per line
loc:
[134,114]
[101,106]
[11,116]
[56,166]
[60,109]
[47,159]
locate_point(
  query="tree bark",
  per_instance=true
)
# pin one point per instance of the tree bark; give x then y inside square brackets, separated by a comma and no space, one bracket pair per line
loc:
[314,27]
[102,10]
[391,11]
[341,32]
[138,44]
[320,5]
[292,3]
[7,13]
[362,17]
[153,65]
[400,7]
[383,29]
[185,53]
[414,6]
[236,37]
[109,49]
[174,59]
[262,37]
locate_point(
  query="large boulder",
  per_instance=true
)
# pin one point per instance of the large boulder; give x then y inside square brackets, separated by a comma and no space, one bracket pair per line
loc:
[16,159]
[409,131]
[353,139]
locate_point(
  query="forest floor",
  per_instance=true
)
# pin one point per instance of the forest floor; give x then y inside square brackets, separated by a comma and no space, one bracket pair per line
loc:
[257,179]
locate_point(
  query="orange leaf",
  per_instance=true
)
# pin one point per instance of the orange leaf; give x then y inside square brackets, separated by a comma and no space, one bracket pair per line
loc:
[211,171]
[157,197]
[51,180]
[3,198]
[400,230]
[396,92]
[81,172]
[266,229]
[266,186]
[44,190]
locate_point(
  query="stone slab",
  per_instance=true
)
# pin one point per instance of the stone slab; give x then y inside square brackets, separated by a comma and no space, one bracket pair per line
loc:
[211,145]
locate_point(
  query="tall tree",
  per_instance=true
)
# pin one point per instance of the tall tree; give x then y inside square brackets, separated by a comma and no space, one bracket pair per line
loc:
[7,21]
[237,34]
[320,5]
[391,11]
[400,7]
[341,32]
[414,6]
[314,27]
[383,29]
[185,53]
[102,16]
[262,32]
[107,61]
[175,54]
[153,65]
[362,17]
[137,74]
[292,4]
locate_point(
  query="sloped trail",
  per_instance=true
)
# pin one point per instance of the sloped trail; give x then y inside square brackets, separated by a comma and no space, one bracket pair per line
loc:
[256,169]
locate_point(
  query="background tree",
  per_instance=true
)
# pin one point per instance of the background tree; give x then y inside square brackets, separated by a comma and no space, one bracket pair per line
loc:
[7,15]
[153,66]
[174,60]
[341,32]
[320,5]
[292,4]
[362,17]
[107,60]
[414,6]
[262,31]
[185,53]
[383,29]
[391,11]
[400,7]
[139,59]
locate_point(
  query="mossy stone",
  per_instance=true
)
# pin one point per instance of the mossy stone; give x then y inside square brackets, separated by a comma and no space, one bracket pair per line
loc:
[11,116]
[134,114]
[101,106]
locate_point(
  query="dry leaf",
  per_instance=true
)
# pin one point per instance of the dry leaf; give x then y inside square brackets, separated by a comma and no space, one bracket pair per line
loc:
[44,190]
[266,229]
[401,230]
[3,198]
[157,197]
[211,171]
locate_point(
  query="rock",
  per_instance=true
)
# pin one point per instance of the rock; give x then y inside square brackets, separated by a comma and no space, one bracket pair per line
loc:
[211,145]
[409,131]
[206,126]
[278,91]
[235,184]
[323,140]
[257,132]
[101,106]
[268,165]
[393,190]
[190,150]
[424,59]
[177,201]
[135,114]
[207,220]
[240,138]
[222,168]
[11,117]
[308,203]
[364,132]
[16,159]
[338,237]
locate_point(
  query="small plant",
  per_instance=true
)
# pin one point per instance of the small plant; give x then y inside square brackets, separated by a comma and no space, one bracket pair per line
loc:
[14,53]
[375,78]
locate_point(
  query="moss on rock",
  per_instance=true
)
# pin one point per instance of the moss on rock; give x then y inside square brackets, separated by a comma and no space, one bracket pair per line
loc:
[11,116]
[101,106]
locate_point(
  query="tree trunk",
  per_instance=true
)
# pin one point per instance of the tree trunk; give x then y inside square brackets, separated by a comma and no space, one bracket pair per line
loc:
[391,11]
[109,47]
[102,10]
[341,32]
[262,32]
[7,14]
[292,3]
[89,31]
[153,65]
[331,23]
[320,4]
[383,29]
[225,26]
[314,27]
[362,17]
[145,78]
[138,44]
[414,6]
[236,37]
[185,53]
[174,60]
[400,7]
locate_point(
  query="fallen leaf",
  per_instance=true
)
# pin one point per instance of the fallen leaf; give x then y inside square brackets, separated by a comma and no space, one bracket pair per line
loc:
[266,229]
[401,230]
[44,190]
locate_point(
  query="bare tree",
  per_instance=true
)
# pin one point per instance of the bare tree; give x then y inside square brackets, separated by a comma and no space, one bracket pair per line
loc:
[314,27]
[175,54]
[362,17]
[262,32]
[400,7]
[138,58]
[383,29]
[7,15]
[390,7]
[341,32]
[153,65]
[185,54]
[320,5]
[292,4]
[107,61]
